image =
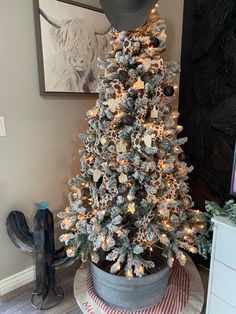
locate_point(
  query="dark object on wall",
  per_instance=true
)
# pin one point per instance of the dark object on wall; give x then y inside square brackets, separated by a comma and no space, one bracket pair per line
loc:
[126,15]
[233,178]
[69,41]
[47,259]
[208,96]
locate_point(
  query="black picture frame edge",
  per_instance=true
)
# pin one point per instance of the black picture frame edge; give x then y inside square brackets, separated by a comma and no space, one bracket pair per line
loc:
[39,49]
[38,40]
[82,5]
[233,173]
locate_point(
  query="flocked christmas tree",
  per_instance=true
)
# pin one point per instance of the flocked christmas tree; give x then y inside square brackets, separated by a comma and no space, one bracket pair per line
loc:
[130,204]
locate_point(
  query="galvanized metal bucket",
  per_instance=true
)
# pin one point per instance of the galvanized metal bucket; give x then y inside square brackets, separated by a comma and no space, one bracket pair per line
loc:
[135,294]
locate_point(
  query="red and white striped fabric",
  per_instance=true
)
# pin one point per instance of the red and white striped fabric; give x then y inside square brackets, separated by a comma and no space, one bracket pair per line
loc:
[175,299]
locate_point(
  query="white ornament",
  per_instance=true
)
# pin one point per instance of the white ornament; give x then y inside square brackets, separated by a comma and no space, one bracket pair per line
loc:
[147,63]
[154,112]
[121,147]
[123,178]
[131,208]
[148,139]
[112,104]
[152,198]
[97,175]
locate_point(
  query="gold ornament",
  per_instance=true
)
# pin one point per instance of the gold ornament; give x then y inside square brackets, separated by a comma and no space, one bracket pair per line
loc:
[177,150]
[139,85]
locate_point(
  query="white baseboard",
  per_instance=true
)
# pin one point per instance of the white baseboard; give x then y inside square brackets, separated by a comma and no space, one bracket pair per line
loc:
[17,280]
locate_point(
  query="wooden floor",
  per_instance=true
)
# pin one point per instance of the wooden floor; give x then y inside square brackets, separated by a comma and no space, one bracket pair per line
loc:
[18,302]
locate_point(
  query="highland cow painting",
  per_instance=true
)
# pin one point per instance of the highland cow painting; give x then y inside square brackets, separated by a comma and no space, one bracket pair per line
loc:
[70,38]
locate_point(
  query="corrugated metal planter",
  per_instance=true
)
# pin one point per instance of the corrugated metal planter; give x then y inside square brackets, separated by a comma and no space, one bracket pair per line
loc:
[135,294]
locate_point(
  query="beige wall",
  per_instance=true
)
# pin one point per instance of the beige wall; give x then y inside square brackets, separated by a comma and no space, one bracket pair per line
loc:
[39,153]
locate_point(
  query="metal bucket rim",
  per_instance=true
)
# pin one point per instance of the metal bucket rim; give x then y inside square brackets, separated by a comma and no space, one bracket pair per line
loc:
[154,276]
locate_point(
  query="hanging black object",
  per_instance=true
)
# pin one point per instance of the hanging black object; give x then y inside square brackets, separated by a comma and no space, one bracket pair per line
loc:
[169,91]
[47,259]
[126,15]
[154,42]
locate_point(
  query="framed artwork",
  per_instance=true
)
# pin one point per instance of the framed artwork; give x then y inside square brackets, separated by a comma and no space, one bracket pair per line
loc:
[233,179]
[70,37]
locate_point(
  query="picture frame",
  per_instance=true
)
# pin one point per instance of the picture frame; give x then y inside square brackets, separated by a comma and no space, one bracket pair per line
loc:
[70,37]
[233,177]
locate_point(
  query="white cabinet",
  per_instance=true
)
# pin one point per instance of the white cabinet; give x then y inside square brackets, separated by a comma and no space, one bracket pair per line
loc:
[222,282]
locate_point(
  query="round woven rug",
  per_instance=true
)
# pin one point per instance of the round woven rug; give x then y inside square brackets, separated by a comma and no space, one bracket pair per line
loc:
[184,295]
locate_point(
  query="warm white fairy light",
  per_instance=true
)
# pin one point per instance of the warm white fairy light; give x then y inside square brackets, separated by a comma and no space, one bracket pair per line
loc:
[167,225]
[183,258]
[141,270]
[129,274]
[130,197]
[176,87]
[119,233]
[103,141]
[117,266]
[175,114]
[70,252]
[67,210]
[67,222]
[162,212]
[103,239]
[164,239]
[189,230]
[108,240]
[75,196]
[64,237]
[81,217]
[179,128]
[193,250]
[202,226]
[177,150]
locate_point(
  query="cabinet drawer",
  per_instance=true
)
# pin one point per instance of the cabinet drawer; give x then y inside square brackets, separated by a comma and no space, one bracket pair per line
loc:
[218,306]
[224,283]
[226,246]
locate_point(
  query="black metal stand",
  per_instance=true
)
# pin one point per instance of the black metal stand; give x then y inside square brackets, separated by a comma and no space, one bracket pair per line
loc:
[47,260]
[53,298]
